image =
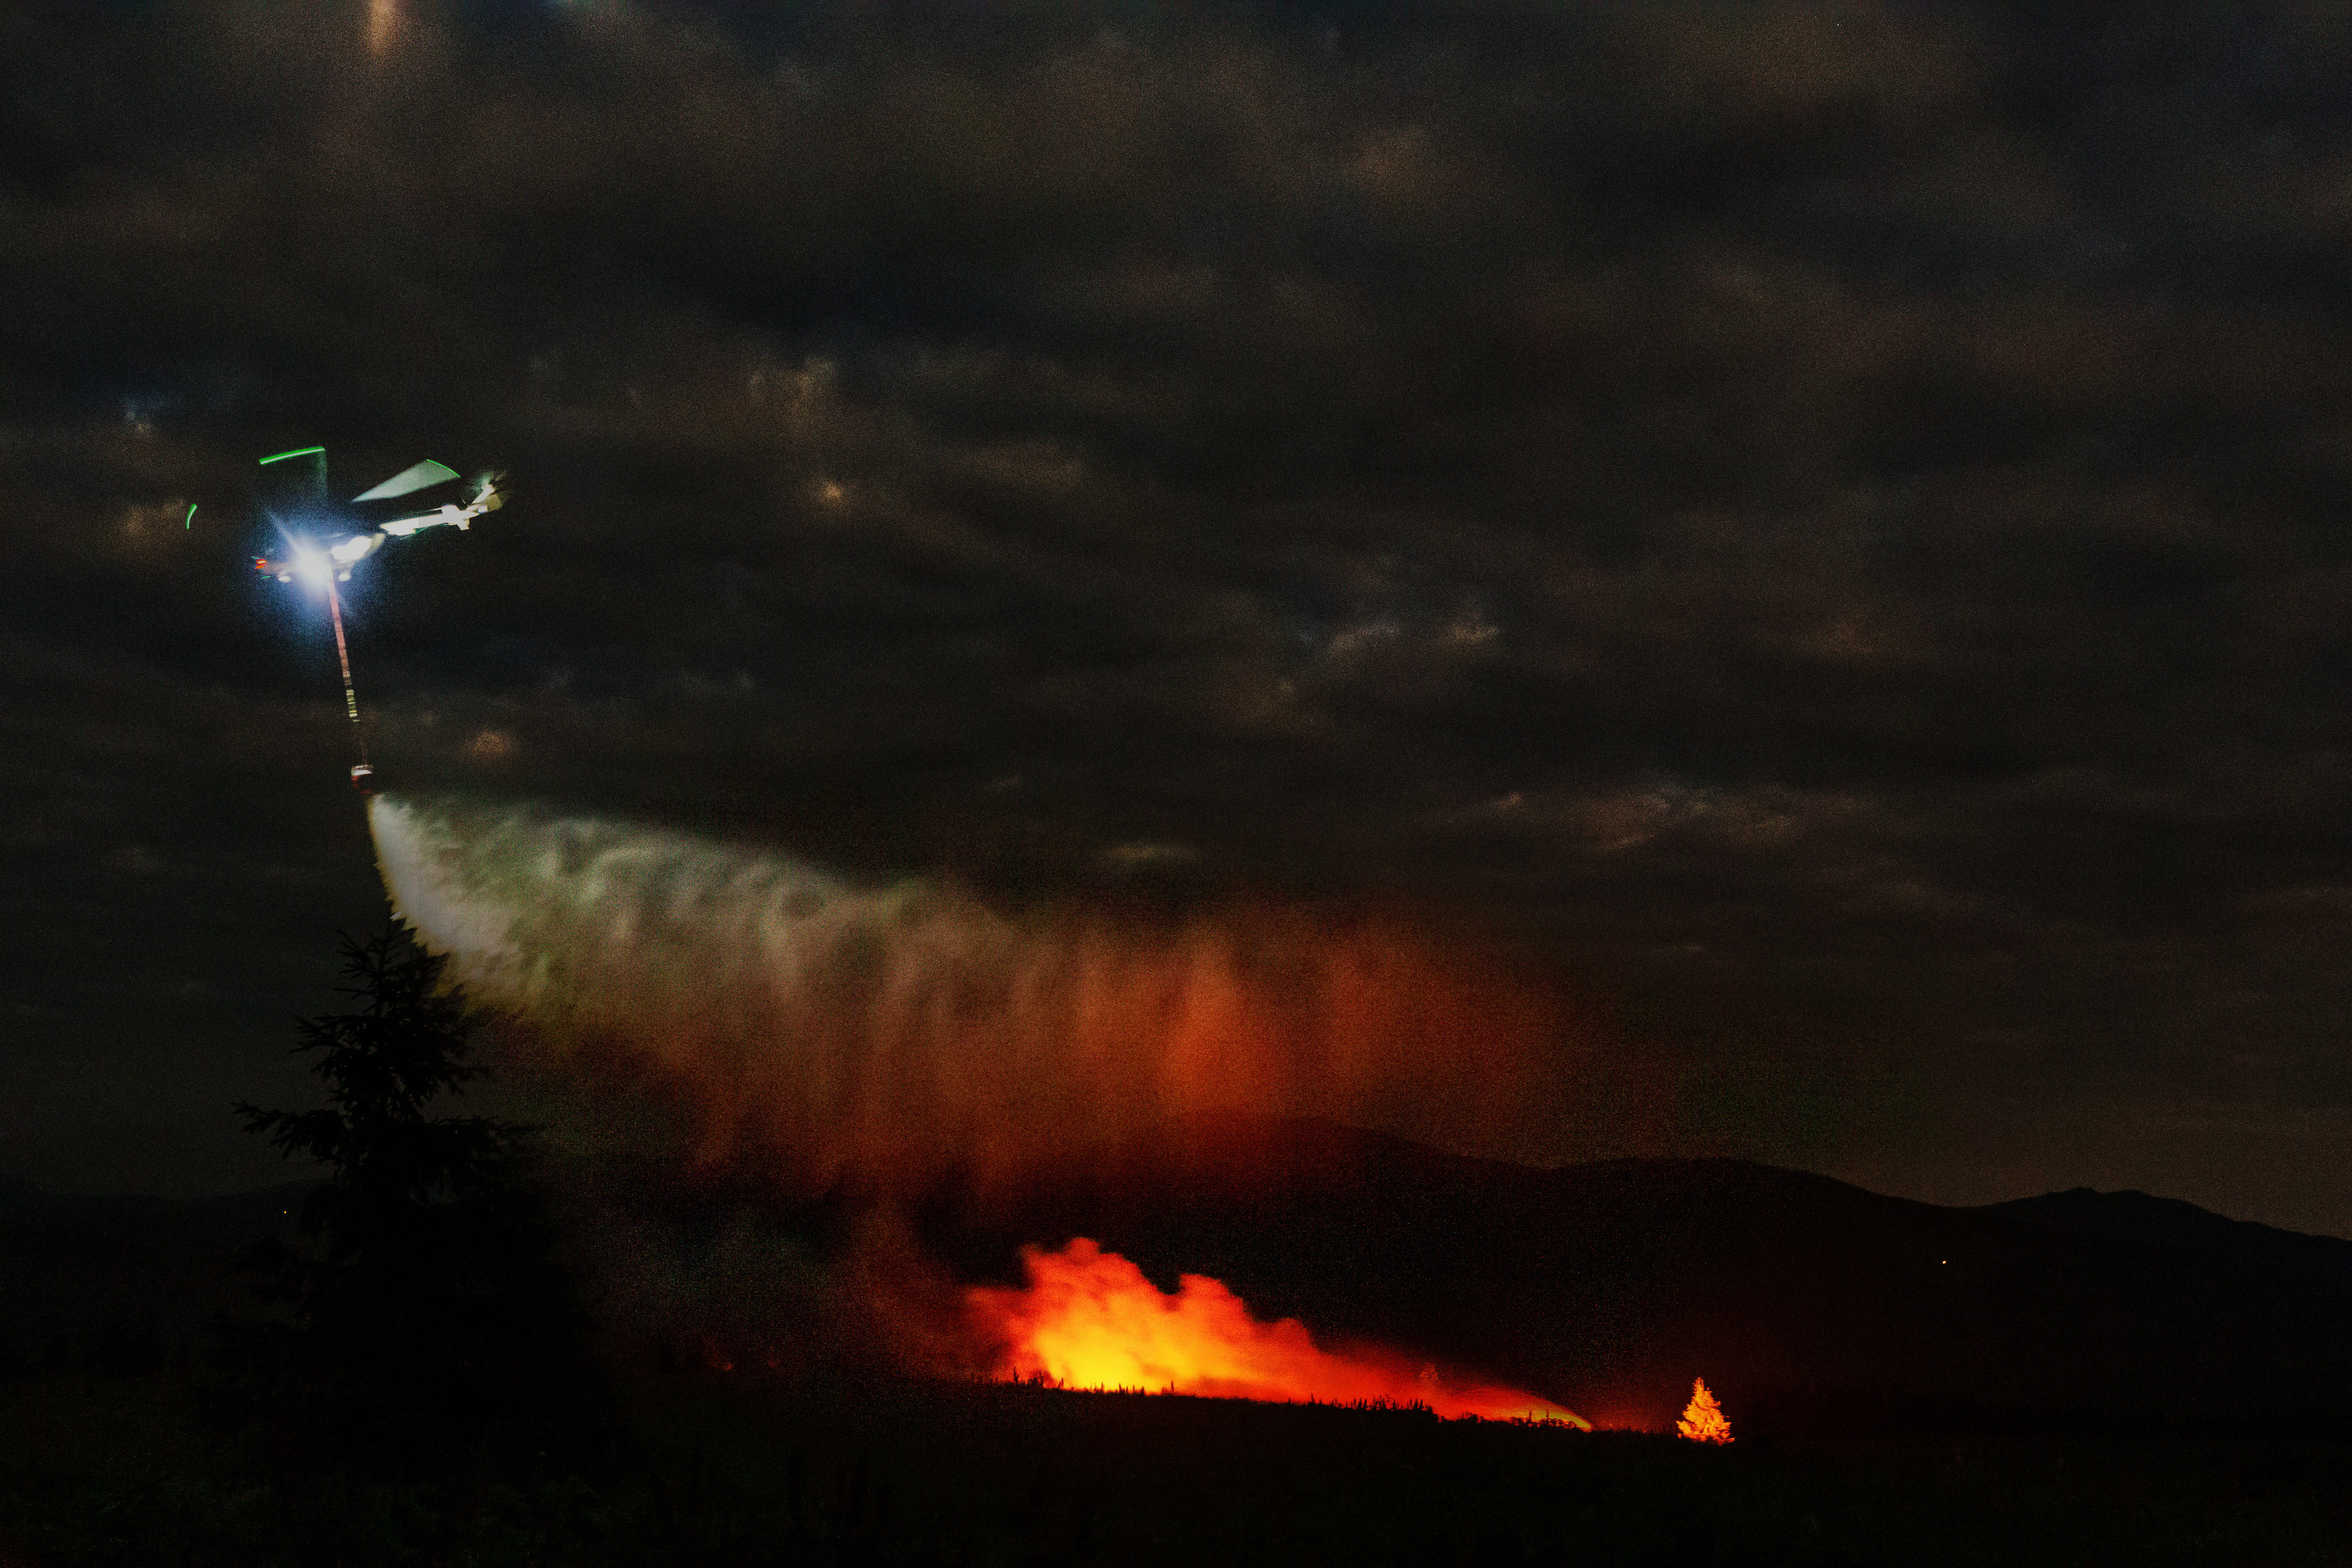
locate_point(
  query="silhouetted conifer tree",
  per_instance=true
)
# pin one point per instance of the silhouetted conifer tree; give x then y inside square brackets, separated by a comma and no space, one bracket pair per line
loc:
[429,1304]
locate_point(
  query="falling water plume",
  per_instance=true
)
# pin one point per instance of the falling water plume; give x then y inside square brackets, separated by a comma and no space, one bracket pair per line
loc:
[819,1028]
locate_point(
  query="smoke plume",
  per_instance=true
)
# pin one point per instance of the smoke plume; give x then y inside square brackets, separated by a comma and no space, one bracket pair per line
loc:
[823,1029]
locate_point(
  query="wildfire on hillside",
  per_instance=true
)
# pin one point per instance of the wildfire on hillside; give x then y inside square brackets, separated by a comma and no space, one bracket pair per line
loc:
[1703,1419]
[1090,1318]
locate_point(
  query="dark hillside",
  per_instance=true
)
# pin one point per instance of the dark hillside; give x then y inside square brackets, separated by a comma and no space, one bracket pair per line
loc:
[1808,1303]
[124,1276]
[2195,1233]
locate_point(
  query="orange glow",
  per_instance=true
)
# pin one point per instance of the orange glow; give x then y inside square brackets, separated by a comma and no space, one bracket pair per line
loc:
[887,1035]
[1703,1419]
[1089,1318]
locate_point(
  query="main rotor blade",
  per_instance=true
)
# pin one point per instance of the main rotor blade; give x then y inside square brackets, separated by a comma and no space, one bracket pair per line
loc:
[421,475]
[318,455]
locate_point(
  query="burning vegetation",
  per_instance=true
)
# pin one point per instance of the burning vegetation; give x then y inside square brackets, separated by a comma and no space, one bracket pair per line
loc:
[1703,1420]
[1090,1318]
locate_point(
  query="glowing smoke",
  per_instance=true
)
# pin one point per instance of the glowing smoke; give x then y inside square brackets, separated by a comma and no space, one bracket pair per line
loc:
[823,1028]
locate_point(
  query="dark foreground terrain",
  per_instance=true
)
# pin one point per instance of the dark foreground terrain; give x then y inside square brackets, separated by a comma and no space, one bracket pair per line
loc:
[712,1470]
[2082,1378]
[1816,1308]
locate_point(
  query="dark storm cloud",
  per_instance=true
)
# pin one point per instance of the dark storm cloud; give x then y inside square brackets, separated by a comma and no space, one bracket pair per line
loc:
[1823,520]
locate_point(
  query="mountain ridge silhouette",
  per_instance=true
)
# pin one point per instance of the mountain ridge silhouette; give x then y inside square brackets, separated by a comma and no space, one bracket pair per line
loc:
[1809,1304]
[1810,1301]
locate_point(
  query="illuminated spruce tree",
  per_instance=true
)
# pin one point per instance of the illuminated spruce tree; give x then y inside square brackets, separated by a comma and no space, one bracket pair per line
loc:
[1703,1419]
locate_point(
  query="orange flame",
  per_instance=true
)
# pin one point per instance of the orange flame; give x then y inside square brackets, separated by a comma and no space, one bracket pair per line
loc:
[1089,1318]
[1703,1419]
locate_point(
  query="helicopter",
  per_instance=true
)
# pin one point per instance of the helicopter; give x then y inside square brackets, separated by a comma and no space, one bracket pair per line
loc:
[324,563]
[317,563]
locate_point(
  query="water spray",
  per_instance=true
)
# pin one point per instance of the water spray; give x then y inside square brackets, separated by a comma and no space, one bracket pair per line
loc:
[816,1027]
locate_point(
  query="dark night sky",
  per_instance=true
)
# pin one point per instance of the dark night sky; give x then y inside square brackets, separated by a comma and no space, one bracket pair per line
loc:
[1818,525]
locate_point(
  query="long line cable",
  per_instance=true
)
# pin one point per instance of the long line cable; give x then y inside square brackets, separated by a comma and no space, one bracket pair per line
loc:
[343,654]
